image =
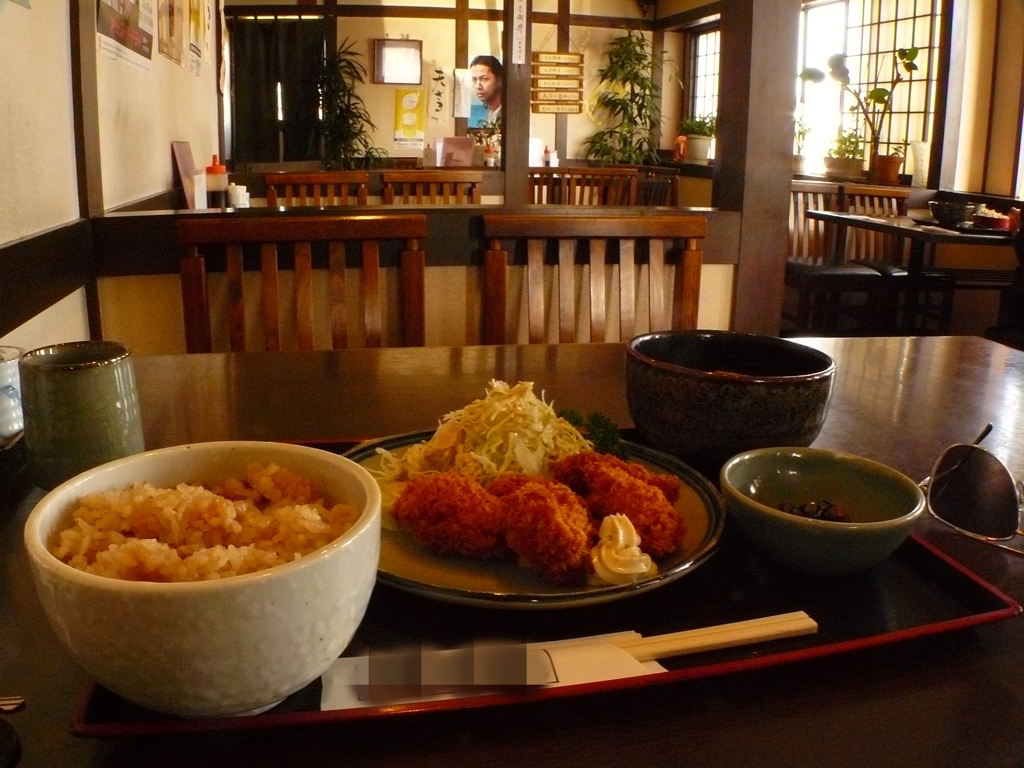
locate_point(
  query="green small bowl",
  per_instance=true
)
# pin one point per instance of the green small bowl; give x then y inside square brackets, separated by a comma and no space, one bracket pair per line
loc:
[882,505]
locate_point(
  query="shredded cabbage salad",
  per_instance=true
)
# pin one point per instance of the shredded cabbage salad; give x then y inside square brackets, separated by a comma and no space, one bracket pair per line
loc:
[509,430]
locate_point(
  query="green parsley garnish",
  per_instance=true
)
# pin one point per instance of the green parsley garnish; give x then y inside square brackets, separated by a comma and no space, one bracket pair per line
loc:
[599,430]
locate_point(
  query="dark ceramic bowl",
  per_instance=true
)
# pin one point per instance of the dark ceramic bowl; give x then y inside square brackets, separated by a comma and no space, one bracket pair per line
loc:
[951,213]
[705,396]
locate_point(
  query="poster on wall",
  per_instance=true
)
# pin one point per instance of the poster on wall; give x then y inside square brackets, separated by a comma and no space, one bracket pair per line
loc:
[173,29]
[440,96]
[125,31]
[486,78]
[196,34]
[410,118]
[463,95]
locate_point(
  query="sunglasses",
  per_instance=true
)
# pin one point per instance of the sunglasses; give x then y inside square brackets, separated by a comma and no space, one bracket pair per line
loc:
[974,493]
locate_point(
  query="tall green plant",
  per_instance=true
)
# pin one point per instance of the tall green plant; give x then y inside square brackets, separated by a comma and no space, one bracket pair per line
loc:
[345,124]
[629,99]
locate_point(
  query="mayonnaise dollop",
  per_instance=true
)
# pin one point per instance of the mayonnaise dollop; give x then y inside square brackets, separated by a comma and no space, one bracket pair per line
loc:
[617,557]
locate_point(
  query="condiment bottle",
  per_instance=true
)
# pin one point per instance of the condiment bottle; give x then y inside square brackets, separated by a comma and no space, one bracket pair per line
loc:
[216,184]
[547,156]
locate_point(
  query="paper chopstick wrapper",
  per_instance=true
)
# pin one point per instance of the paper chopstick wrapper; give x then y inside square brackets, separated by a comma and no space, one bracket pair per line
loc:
[416,675]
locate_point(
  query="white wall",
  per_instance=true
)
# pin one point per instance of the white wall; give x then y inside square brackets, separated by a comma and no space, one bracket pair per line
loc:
[140,113]
[38,188]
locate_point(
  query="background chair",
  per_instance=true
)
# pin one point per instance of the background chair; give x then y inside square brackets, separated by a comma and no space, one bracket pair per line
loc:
[582,186]
[596,241]
[656,186]
[916,303]
[816,268]
[432,187]
[299,234]
[321,188]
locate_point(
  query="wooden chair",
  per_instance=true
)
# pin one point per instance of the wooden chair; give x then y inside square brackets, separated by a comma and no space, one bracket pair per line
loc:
[820,277]
[598,237]
[656,186]
[927,304]
[320,189]
[300,233]
[432,187]
[579,185]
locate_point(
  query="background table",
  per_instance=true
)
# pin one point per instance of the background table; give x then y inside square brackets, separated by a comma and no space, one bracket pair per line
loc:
[949,700]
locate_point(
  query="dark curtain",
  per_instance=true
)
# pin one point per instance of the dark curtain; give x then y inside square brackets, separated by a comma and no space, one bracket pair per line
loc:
[265,53]
[300,53]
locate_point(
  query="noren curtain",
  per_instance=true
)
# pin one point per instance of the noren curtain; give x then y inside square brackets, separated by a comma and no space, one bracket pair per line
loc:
[265,53]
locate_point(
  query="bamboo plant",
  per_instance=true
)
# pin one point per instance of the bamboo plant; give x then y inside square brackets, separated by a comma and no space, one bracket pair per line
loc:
[345,125]
[628,97]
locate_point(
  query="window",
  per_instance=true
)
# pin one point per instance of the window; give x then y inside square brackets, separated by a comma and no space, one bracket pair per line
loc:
[704,58]
[868,32]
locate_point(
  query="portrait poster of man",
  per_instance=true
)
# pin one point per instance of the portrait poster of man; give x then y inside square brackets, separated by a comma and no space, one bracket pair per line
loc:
[487,80]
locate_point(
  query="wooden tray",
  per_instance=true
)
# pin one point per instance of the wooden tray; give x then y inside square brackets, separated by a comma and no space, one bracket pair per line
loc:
[917,592]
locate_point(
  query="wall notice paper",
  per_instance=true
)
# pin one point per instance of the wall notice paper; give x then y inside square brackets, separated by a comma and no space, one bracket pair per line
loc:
[196,34]
[463,93]
[440,96]
[125,30]
[172,26]
[430,675]
[410,118]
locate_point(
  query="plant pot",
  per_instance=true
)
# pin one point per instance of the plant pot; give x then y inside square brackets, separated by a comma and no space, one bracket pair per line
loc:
[885,169]
[799,165]
[697,149]
[844,168]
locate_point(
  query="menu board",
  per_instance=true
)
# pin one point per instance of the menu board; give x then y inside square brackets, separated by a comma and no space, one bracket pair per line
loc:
[557,85]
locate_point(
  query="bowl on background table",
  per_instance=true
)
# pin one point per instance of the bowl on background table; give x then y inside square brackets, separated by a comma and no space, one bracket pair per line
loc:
[879,504]
[707,395]
[951,213]
[217,647]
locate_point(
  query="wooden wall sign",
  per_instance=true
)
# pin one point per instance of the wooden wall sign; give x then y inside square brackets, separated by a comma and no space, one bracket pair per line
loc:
[557,86]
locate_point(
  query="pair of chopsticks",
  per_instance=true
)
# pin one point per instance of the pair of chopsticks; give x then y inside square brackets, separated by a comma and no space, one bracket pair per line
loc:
[720,636]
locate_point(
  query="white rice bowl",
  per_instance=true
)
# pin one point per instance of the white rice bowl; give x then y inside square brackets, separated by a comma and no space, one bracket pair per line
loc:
[219,646]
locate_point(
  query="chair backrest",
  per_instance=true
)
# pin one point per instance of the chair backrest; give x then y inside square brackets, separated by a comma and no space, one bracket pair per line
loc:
[300,233]
[320,188]
[865,245]
[598,236]
[809,239]
[656,186]
[432,187]
[579,185]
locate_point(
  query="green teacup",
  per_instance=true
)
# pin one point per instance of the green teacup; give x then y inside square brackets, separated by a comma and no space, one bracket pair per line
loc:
[81,408]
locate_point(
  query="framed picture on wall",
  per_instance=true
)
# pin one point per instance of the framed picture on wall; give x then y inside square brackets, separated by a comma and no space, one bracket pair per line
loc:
[398,61]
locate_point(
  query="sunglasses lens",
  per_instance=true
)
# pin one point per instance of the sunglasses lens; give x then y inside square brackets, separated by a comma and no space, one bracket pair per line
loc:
[973,491]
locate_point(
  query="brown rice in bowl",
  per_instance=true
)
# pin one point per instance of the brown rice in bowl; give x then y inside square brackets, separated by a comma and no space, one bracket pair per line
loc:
[191,533]
[218,646]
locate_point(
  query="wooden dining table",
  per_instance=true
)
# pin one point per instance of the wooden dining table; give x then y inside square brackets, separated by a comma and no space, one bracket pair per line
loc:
[950,698]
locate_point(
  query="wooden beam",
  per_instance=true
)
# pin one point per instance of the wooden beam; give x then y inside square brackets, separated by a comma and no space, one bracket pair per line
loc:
[754,150]
[38,271]
[517,41]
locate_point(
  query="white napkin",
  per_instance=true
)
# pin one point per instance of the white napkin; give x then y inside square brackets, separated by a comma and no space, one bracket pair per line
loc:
[560,663]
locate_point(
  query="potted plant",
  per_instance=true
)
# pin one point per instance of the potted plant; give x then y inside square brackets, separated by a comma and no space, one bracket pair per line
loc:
[628,97]
[345,126]
[872,101]
[699,132]
[845,160]
[885,169]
